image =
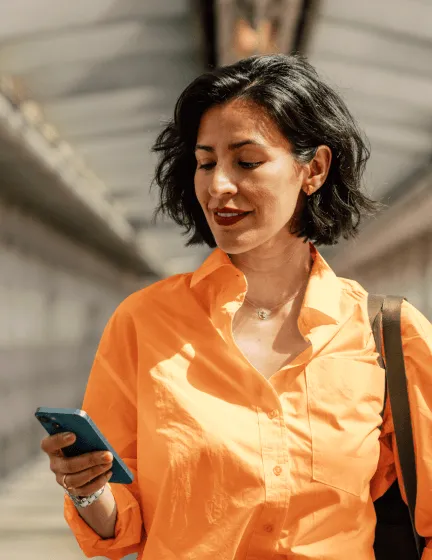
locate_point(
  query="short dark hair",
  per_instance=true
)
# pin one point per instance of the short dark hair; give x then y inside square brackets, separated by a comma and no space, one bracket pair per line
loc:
[307,111]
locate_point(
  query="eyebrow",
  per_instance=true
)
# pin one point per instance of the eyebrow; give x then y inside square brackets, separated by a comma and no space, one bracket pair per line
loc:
[233,146]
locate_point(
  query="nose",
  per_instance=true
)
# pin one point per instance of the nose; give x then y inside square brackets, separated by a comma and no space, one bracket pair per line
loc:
[221,185]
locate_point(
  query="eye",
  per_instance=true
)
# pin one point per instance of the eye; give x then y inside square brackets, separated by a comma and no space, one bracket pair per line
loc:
[207,166]
[249,165]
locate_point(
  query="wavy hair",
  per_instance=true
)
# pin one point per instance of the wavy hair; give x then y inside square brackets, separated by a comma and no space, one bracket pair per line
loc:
[307,111]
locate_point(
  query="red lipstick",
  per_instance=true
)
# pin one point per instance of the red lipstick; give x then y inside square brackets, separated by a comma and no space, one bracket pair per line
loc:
[229,216]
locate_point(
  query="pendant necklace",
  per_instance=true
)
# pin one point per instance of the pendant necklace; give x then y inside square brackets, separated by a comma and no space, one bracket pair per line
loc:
[264,313]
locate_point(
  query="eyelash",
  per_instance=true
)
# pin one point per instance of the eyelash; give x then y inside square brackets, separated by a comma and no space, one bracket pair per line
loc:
[244,164]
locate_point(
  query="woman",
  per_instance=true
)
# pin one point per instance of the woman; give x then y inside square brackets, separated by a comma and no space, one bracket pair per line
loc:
[246,396]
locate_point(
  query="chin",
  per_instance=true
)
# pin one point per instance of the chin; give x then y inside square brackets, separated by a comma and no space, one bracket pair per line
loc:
[236,246]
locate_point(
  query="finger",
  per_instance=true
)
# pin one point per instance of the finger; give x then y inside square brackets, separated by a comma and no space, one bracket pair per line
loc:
[92,486]
[58,453]
[71,465]
[80,479]
[53,444]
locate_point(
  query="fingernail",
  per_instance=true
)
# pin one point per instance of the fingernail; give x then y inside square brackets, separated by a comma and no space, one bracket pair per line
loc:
[107,457]
[109,475]
[68,436]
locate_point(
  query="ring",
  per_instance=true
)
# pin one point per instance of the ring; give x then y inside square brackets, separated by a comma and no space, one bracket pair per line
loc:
[64,483]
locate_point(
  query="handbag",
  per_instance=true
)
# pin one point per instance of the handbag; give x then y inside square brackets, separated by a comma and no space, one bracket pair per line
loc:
[395,536]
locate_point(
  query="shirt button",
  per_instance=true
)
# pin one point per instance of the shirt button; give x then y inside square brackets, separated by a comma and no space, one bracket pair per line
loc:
[277,470]
[272,414]
[268,528]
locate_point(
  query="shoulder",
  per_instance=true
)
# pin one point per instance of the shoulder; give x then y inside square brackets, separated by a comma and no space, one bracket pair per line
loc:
[352,289]
[169,292]
[415,325]
[416,328]
[417,350]
[353,294]
[142,312]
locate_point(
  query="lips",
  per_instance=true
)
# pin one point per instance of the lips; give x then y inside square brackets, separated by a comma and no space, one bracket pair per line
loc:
[229,216]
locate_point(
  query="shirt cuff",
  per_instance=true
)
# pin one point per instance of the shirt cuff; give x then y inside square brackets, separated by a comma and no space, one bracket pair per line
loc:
[128,530]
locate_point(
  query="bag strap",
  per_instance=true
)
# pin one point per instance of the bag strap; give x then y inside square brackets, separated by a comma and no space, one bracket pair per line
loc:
[387,310]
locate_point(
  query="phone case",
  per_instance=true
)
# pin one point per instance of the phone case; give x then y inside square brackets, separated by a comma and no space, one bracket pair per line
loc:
[88,437]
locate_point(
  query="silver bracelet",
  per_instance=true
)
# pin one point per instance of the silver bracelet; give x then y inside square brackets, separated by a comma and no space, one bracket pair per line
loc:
[87,500]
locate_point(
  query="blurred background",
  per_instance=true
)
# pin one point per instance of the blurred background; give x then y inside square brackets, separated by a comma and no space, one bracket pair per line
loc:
[84,89]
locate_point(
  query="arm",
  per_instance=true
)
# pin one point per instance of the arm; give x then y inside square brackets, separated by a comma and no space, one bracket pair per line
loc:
[101,516]
[113,526]
[417,346]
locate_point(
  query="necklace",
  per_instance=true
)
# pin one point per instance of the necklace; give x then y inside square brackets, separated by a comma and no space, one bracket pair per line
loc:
[263,313]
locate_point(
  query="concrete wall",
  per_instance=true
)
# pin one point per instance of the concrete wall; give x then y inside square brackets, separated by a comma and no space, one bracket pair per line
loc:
[55,298]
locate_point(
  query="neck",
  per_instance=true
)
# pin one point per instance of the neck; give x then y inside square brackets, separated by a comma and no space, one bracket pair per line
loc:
[275,274]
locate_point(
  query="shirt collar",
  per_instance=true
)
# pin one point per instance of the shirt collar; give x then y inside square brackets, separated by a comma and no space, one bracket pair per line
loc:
[323,293]
[324,290]
[213,262]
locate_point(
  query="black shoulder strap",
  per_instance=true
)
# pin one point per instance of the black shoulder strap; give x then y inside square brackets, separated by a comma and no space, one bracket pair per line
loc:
[387,309]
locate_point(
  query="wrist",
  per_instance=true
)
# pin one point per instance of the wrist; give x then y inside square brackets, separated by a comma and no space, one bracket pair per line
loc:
[101,516]
[85,501]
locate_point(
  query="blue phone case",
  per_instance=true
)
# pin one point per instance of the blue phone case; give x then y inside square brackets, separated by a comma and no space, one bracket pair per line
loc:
[88,437]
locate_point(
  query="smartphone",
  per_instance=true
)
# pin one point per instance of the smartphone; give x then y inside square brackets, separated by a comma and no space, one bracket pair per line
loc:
[88,437]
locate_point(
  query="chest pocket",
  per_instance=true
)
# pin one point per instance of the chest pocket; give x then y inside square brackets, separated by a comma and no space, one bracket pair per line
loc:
[345,399]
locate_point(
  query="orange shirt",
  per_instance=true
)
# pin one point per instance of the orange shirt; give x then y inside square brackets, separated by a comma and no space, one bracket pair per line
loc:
[231,465]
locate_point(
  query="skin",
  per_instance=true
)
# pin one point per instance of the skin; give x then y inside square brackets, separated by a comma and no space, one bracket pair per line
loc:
[276,263]
[86,474]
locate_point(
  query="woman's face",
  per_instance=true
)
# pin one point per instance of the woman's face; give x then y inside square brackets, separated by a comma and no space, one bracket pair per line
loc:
[247,180]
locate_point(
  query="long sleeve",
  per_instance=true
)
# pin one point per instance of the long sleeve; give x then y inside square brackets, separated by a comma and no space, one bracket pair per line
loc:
[417,346]
[110,400]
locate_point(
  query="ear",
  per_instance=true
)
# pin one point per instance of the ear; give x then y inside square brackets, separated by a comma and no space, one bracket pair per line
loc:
[317,170]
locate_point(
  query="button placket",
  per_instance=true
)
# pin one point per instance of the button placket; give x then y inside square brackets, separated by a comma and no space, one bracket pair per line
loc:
[274,453]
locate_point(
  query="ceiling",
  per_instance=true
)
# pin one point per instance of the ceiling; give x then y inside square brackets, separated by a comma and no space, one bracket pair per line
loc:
[379,56]
[107,73]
